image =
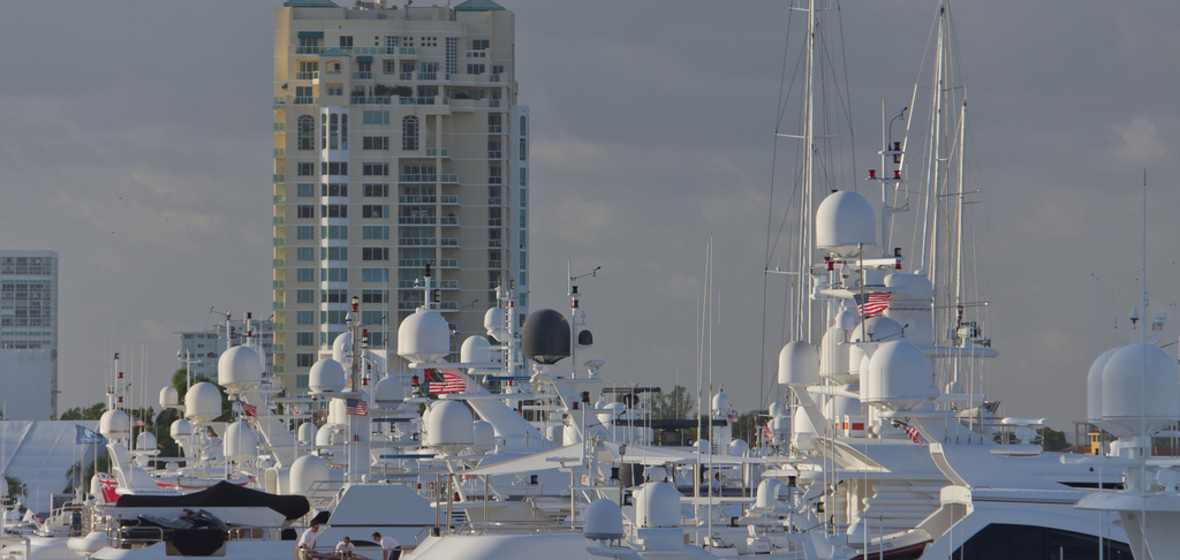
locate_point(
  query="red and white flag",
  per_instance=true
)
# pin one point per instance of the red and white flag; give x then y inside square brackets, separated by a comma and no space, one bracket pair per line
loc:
[250,410]
[872,303]
[445,382]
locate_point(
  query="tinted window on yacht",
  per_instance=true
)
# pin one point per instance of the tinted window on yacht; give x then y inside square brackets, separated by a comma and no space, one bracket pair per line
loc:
[1022,542]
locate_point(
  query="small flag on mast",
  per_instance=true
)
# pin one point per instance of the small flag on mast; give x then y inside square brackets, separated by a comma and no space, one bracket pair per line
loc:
[445,382]
[872,303]
[356,407]
[250,410]
[85,435]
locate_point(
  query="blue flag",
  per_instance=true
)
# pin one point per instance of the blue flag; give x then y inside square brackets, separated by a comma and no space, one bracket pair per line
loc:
[85,435]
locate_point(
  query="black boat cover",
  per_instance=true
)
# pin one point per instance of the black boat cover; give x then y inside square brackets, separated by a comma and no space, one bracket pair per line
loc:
[223,494]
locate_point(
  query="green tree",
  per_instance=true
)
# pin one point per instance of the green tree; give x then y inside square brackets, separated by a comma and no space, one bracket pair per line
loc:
[16,488]
[92,412]
[677,403]
[1052,440]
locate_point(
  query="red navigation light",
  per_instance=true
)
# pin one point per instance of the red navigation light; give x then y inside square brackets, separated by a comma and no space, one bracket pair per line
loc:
[120,375]
[897,174]
[872,174]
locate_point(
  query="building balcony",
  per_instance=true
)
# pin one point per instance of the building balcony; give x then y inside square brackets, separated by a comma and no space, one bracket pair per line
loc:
[405,76]
[428,178]
[494,78]
[452,199]
[305,100]
[427,76]
[495,201]
[436,100]
[280,126]
[407,51]
[362,75]
[495,129]
[280,152]
[418,263]
[438,152]
[279,178]
[279,220]
[361,100]
[280,199]
[417,220]
[307,75]
[449,221]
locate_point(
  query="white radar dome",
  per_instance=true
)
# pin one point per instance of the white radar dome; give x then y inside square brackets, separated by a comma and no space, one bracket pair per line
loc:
[1140,391]
[326,376]
[239,369]
[777,410]
[877,329]
[603,520]
[145,441]
[181,428]
[844,221]
[424,337]
[493,322]
[899,377]
[657,504]
[114,424]
[798,364]
[169,397]
[803,431]
[389,393]
[720,402]
[342,346]
[483,437]
[306,433]
[239,442]
[475,350]
[448,428]
[770,492]
[738,448]
[202,402]
[1094,386]
[305,472]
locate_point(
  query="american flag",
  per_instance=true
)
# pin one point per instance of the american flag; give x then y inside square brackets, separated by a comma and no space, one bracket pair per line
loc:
[250,410]
[356,407]
[732,417]
[137,422]
[912,432]
[445,382]
[872,303]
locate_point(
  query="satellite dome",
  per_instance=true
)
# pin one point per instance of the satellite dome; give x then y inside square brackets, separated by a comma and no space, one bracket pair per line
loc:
[777,410]
[181,428]
[780,425]
[1094,386]
[846,319]
[239,369]
[877,329]
[323,436]
[389,393]
[703,446]
[493,322]
[899,377]
[202,402]
[169,397]
[307,433]
[483,437]
[798,364]
[239,442]
[770,491]
[546,337]
[839,406]
[804,432]
[720,402]
[738,448]
[844,220]
[449,427]
[326,376]
[424,337]
[114,424]
[305,472]
[145,441]
[475,350]
[657,504]
[342,346]
[603,520]
[834,364]
[1140,391]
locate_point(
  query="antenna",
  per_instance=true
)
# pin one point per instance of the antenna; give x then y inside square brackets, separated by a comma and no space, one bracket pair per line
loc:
[1144,270]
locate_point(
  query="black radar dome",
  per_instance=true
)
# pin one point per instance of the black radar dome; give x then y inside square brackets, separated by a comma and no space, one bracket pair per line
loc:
[546,337]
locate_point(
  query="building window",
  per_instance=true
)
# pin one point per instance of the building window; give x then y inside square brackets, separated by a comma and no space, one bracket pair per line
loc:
[305,232]
[375,232]
[305,317]
[375,143]
[334,210]
[305,275]
[373,190]
[494,125]
[334,296]
[480,44]
[524,150]
[305,168]
[305,296]
[375,117]
[374,296]
[334,253]
[334,89]
[494,150]
[389,67]
[346,41]
[476,69]
[304,359]
[305,138]
[375,275]
[452,56]
[305,211]
[334,168]
[494,177]
[524,176]
[306,189]
[333,232]
[333,317]
[337,274]
[374,253]
[410,133]
[334,189]
[375,169]
[306,253]
[375,210]
[305,339]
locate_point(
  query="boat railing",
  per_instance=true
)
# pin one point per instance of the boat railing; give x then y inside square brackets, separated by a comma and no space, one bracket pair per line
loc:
[115,538]
[255,533]
[482,527]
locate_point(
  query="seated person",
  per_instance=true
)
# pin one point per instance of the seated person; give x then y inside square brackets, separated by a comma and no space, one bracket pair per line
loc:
[345,548]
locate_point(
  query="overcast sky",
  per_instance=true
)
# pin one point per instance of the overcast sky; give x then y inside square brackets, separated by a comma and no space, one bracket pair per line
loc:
[135,140]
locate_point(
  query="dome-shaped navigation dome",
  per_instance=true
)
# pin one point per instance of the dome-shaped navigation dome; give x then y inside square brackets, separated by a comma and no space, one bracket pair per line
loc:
[202,402]
[603,521]
[845,221]
[424,337]
[326,376]
[899,377]
[1140,392]
[239,369]
[798,364]
[546,337]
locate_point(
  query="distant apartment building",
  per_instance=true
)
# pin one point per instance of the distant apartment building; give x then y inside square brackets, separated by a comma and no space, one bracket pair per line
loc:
[28,334]
[398,144]
[200,350]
